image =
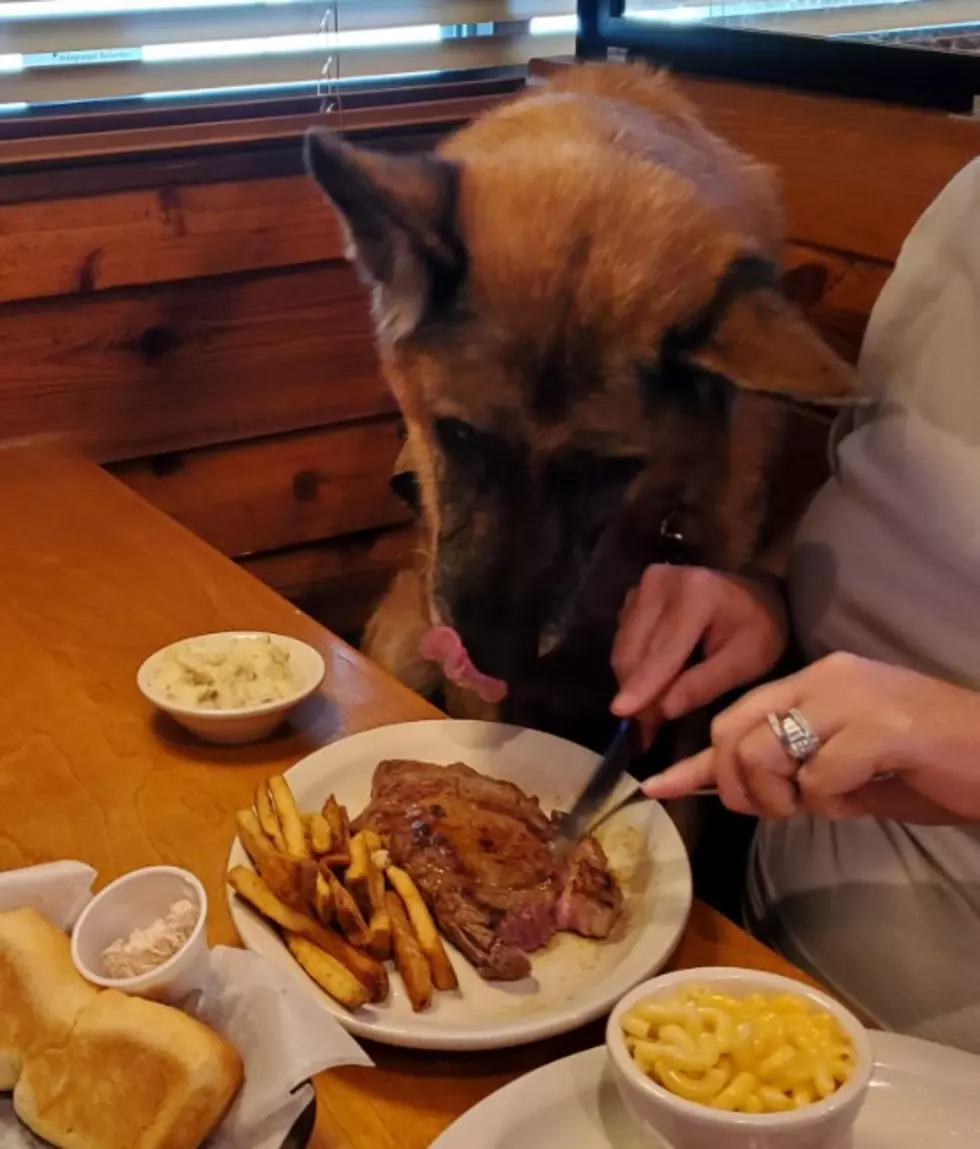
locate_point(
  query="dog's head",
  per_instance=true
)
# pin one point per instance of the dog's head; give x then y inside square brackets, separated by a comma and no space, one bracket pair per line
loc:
[567,324]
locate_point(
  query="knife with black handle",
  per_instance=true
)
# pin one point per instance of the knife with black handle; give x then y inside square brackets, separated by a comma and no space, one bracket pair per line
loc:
[598,790]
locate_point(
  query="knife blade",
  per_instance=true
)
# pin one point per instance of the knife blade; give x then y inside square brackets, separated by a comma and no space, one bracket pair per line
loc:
[600,786]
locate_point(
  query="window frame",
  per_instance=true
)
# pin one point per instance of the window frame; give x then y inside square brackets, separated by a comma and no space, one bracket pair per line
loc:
[91,154]
[919,77]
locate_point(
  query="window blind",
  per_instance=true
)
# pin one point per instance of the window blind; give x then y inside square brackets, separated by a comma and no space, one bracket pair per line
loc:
[63,51]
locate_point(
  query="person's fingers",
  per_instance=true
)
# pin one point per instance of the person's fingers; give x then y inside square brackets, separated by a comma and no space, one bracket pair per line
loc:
[718,673]
[673,645]
[747,722]
[682,778]
[847,760]
[728,731]
[753,708]
[767,774]
[731,788]
[629,604]
[648,723]
[641,618]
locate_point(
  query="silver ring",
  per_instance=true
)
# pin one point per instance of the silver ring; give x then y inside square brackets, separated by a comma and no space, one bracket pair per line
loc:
[795,735]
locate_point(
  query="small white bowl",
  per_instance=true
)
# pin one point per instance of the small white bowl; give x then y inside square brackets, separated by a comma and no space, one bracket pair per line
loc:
[245,723]
[136,901]
[689,1125]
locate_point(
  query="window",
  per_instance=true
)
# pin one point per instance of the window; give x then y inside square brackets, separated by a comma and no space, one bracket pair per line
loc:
[921,52]
[77,56]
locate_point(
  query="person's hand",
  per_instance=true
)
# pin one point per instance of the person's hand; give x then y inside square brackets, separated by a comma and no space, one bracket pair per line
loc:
[739,624]
[893,744]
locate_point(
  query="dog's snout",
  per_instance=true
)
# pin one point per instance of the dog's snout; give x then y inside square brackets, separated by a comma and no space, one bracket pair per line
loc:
[493,641]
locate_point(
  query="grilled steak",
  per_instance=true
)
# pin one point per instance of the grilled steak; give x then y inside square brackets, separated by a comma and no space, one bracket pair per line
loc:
[481,853]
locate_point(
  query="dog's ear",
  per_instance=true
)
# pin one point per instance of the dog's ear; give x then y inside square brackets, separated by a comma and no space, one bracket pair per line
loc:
[399,212]
[760,343]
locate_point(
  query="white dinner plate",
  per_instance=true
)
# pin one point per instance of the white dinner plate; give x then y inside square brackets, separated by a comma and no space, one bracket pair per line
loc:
[922,1096]
[574,980]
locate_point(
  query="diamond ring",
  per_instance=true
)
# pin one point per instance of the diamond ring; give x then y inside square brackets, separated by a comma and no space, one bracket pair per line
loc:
[795,735]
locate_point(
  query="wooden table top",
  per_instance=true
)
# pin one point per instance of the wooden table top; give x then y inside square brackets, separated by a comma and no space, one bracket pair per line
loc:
[92,580]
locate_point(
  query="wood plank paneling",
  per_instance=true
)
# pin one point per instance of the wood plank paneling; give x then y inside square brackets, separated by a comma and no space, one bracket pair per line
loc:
[338,581]
[280,491]
[87,244]
[856,175]
[879,168]
[147,370]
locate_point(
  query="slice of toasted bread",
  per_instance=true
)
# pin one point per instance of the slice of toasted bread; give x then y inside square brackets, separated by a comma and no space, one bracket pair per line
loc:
[41,992]
[132,1075]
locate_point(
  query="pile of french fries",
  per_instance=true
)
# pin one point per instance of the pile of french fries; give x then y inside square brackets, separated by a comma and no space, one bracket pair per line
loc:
[343,909]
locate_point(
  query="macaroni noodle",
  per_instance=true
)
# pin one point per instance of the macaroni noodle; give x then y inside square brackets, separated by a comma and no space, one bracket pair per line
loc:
[753,1055]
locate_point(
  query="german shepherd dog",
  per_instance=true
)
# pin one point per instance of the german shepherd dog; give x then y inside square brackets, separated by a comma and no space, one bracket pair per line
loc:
[577,307]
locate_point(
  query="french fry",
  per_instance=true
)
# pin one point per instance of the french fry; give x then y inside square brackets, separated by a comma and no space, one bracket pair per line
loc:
[443,974]
[255,840]
[327,972]
[253,889]
[306,876]
[366,882]
[290,879]
[373,840]
[379,855]
[410,961]
[268,818]
[358,876]
[319,834]
[378,939]
[339,823]
[323,900]
[376,886]
[292,825]
[346,911]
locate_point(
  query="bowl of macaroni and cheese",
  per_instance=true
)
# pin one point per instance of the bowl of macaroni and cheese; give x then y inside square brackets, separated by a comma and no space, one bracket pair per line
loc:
[739,1058]
[231,687]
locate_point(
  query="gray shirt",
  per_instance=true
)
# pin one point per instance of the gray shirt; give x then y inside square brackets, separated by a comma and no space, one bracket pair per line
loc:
[887,565]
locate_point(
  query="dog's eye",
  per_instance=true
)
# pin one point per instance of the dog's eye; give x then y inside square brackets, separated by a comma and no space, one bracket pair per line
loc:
[698,393]
[457,436]
[483,459]
[618,471]
[595,471]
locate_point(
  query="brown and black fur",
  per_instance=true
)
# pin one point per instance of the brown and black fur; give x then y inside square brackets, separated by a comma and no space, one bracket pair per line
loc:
[577,309]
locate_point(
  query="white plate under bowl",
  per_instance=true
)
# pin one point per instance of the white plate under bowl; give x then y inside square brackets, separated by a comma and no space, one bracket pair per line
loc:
[922,1096]
[574,981]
